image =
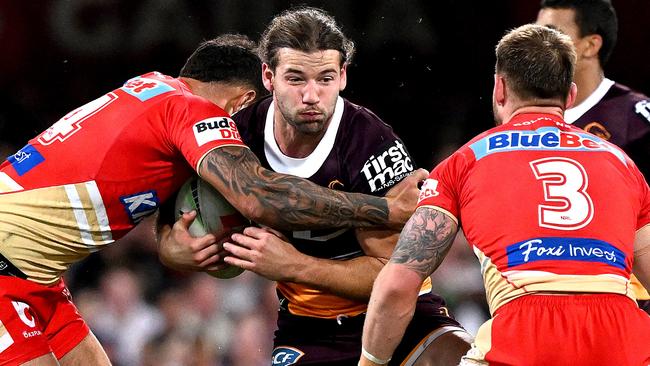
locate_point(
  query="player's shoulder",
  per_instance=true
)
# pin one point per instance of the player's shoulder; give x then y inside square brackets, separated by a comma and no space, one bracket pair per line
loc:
[361,126]
[251,121]
[627,101]
[357,116]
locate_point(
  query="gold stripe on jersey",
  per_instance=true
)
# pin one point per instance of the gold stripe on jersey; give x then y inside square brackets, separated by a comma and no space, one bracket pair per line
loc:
[639,291]
[307,301]
[503,287]
[43,231]
[5,338]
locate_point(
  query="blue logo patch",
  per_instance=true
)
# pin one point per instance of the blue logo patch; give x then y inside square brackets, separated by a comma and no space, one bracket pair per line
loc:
[140,205]
[543,138]
[284,356]
[145,88]
[570,249]
[25,159]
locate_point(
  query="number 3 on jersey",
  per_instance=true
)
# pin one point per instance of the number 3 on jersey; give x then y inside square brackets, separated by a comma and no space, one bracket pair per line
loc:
[568,205]
[71,123]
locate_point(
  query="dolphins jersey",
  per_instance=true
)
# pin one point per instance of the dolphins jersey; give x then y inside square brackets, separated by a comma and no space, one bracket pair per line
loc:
[547,207]
[94,174]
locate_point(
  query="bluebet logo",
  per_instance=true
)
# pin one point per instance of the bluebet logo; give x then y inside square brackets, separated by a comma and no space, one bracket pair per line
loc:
[573,249]
[545,138]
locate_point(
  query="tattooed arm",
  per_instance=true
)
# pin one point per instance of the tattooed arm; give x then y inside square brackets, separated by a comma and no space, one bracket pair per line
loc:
[288,202]
[422,246]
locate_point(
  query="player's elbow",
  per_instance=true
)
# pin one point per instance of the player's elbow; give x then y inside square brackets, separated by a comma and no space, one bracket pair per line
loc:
[398,283]
[252,210]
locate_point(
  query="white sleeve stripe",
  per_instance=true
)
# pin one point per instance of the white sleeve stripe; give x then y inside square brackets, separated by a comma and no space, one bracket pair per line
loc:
[100,211]
[443,211]
[80,215]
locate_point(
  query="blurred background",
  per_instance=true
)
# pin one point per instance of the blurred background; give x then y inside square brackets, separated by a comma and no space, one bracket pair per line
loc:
[425,67]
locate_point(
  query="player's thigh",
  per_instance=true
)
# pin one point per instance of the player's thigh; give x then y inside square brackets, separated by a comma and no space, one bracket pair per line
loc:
[446,350]
[87,352]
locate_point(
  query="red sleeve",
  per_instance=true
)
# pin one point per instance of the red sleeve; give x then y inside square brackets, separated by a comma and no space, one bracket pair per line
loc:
[644,213]
[198,127]
[441,188]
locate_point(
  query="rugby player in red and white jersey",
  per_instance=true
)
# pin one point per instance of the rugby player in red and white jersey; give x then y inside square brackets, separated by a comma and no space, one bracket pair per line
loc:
[97,172]
[603,107]
[551,213]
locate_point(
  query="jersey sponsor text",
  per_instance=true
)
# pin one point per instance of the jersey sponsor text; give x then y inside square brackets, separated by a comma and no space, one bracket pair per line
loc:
[387,167]
[214,129]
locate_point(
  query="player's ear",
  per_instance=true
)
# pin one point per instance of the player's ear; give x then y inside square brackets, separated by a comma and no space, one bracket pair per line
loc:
[344,77]
[267,77]
[499,92]
[571,98]
[594,42]
[245,100]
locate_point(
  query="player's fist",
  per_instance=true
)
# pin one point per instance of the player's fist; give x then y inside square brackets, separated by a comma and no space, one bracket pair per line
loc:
[403,197]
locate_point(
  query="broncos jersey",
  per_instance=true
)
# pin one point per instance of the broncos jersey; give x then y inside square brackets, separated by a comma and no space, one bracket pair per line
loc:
[358,153]
[546,206]
[94,174]
[619,115]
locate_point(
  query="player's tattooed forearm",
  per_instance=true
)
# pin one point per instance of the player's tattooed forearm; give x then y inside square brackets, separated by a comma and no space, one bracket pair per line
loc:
[290,202]
[425,241]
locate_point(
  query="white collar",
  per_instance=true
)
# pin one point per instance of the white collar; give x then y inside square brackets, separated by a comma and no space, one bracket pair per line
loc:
[301,167]
[572,114]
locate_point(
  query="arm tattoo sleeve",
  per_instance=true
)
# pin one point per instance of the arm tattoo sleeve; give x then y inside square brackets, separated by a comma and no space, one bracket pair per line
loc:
[425,241]
[285,201]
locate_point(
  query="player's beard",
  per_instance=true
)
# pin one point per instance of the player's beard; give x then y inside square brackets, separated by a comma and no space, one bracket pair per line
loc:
[308,126]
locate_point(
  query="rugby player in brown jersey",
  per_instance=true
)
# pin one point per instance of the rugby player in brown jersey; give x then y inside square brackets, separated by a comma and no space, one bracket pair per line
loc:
[325,277]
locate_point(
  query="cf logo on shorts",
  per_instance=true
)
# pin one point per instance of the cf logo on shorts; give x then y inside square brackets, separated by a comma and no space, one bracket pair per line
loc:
[285,356]
[21,309]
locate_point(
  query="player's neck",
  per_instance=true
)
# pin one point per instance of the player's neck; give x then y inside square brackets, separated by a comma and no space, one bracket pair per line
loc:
[292,142]
[552,110]
[587,78]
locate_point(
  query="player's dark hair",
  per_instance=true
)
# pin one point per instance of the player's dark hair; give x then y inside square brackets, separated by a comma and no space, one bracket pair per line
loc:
[230,58]
[592,17]
[537,62]
[305,29]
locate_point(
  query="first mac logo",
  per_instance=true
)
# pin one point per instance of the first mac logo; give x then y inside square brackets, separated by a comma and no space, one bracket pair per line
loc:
[215,129]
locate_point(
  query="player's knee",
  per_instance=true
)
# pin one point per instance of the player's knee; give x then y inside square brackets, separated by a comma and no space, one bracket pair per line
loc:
[446,350]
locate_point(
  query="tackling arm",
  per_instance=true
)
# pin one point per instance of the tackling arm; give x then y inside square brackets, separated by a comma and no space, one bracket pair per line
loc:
[422,246]
[287,202]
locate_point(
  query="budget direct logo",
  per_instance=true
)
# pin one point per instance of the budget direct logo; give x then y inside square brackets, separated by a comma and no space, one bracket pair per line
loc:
[545,138]
[215,129]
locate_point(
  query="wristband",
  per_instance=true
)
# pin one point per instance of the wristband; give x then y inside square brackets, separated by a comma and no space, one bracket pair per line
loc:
[372,358]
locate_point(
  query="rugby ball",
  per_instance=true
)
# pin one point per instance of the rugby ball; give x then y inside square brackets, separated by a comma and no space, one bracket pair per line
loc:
[214,214]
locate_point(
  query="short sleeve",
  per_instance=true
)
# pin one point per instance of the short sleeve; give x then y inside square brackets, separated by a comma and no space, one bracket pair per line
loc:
[441,189]
[197,126]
